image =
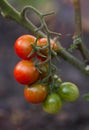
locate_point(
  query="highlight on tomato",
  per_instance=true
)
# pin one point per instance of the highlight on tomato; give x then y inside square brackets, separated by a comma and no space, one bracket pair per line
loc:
[35,93]
[68,91]
[23,46]
[52,104]
[25,72]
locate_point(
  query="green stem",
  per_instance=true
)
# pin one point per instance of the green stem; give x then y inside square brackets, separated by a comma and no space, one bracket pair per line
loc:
[31,8]
[10,12]
[78,30]
[71,59]
[78,25]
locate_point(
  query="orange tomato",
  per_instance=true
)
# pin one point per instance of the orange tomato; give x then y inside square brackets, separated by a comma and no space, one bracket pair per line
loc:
[35,93]
[42,42]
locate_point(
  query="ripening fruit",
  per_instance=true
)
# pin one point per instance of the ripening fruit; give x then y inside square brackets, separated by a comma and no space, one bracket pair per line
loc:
[42,42]
[25,72]
[35,93]
[52,104]
[23,46]
[68,91]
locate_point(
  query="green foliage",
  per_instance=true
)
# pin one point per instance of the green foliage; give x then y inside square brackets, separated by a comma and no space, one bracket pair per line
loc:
[75,44]
[86,96]
[72,47]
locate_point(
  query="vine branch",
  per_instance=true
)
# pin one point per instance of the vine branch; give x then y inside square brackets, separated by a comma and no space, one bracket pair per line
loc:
[78,31]
[78,23]
[9,11]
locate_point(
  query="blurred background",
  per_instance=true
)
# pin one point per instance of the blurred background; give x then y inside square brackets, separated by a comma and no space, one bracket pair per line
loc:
[15,112]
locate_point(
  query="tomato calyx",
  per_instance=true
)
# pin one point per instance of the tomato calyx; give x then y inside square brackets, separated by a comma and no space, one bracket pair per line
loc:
[40,48]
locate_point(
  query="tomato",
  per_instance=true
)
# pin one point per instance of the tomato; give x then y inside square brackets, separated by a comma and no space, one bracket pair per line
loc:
[25,72]
[68,92]
[52,104]
[23,46]
[35,93]
[42,42]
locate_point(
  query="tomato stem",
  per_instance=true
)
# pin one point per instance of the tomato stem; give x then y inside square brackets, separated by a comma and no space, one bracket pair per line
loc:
[78,31]
[8,11]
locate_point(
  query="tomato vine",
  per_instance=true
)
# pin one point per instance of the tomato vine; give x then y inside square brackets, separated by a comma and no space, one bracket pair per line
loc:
[37,69]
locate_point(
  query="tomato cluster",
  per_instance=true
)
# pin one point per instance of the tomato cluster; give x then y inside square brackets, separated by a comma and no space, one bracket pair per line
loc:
[24,46]
[66,92]
[28,48]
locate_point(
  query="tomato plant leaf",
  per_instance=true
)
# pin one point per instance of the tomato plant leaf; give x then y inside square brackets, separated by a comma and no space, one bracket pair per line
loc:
[86,96]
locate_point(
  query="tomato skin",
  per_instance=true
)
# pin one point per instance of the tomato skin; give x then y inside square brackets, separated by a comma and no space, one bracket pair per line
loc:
[42,59]
[68,91]
[25,72]
[35,93]
[52,104]
[43,42]
[23,46]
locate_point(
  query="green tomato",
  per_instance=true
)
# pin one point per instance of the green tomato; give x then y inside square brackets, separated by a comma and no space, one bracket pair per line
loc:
[68,92]
[52,104]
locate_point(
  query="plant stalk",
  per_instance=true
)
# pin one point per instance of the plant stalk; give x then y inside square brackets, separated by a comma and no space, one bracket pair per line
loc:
[10,12]
[78,31]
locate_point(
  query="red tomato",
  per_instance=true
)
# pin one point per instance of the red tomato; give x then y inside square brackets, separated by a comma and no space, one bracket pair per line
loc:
[36,93]
[42,59]
[25,72]
[23,46]
[43,42]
